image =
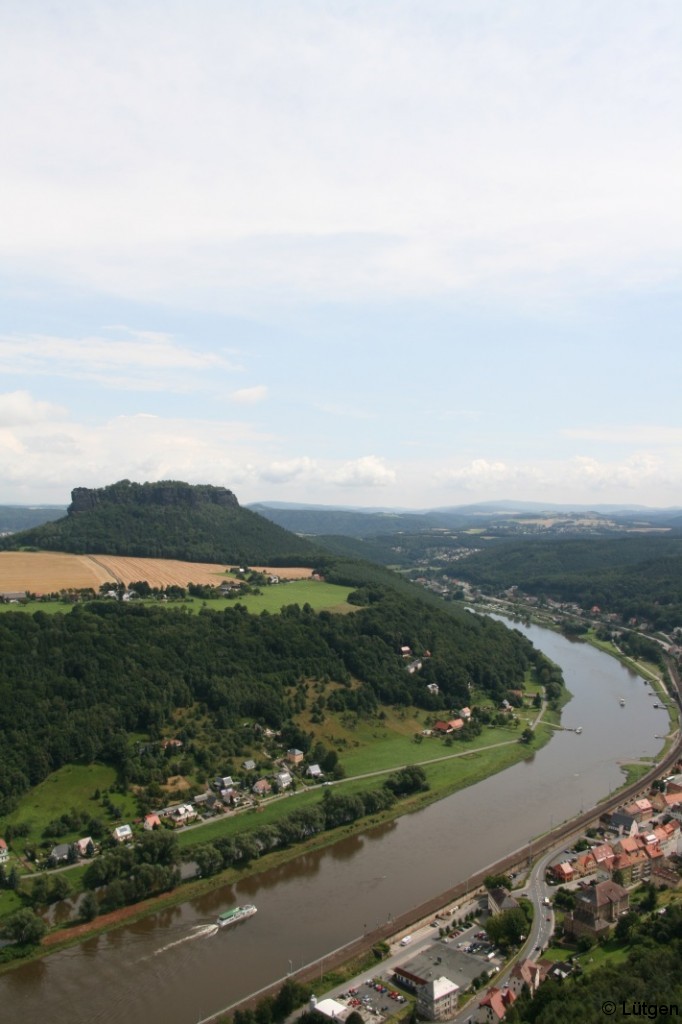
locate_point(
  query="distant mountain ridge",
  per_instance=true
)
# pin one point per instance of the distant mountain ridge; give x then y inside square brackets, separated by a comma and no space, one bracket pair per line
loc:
[319,520]
[166,519]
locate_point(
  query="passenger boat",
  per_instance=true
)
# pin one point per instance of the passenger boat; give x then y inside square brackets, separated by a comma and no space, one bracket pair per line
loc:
[236,914]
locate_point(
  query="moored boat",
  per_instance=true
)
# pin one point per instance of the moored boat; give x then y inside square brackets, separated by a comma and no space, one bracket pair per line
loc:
[236,914]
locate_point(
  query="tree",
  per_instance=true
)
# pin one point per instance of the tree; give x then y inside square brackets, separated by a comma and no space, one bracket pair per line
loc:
[527,735]
[506,929]
[88,907]
[25,928]
[60,889]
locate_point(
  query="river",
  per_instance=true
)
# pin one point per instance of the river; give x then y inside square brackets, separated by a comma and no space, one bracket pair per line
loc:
[177,968]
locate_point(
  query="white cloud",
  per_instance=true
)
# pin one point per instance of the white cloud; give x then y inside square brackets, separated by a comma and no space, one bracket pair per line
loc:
[368,471]
[20,408]
[249,396]
[326,152]
[138,360]
[302,468]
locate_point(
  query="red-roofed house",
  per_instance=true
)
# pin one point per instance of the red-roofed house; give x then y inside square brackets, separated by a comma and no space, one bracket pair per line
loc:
[584,864]
[494,1005]
[151,821]
[4,851]
[563,872]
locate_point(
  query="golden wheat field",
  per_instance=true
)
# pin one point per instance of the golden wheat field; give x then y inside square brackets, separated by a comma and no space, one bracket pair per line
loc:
[44,572]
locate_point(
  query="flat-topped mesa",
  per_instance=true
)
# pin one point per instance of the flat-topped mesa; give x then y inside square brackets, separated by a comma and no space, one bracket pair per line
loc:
[164,492]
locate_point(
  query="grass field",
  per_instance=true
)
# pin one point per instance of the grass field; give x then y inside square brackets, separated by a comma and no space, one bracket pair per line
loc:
[319,595]
[70,787]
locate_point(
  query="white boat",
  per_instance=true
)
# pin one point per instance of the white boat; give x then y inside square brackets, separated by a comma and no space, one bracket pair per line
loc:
[622,702]
[236,914]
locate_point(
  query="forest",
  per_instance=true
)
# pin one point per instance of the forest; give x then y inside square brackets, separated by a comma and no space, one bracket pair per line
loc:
[74,687]
[636,576]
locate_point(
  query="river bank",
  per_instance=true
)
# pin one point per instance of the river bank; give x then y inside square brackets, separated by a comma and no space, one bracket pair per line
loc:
[472,767]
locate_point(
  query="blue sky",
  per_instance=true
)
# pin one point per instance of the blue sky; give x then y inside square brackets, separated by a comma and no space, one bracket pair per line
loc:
[379,253]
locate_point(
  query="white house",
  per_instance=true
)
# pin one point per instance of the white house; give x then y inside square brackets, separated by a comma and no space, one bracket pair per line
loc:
[123,834]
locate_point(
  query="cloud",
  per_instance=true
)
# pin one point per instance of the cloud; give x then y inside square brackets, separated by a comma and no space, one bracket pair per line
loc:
[249,396]
[302,468]
[19,408]
[137,360]
[334,152]
[482,472]
[368,471]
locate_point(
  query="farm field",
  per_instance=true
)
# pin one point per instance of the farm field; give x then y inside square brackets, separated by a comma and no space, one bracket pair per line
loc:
[44,572]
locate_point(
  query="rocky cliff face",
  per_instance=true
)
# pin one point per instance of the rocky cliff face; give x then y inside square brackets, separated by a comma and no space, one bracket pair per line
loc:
[169,493]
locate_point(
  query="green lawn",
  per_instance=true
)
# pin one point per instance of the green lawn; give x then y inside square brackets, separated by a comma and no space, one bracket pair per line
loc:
[70,787]
[387,749]
[319,595]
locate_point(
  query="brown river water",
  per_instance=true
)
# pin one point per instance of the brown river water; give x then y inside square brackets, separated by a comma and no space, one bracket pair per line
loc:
[176,967]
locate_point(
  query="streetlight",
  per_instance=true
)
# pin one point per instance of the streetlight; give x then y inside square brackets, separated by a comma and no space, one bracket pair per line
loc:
[291,967]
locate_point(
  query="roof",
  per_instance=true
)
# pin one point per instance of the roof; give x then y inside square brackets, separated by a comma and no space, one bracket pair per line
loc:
[498,1001]
[330,1008]
[441,987]
[602,893]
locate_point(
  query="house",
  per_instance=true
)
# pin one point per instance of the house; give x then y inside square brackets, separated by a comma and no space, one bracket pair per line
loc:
[414,666]
[261,788]
[223,782]
[584,864]
[4,852]
[249,766]
[283,780]
[465,713]
[314,771]
[625,824]
[433,688]
[499,899]
[172,744]
[445,728]
[525,973]
[60,854]
[151,821]
[640,810]
[294,755]
[603,856]
[182,815]
[597,909]
[123,834]
[405,651]
[563,872]
[84,847]
[494,1005]
[437,999]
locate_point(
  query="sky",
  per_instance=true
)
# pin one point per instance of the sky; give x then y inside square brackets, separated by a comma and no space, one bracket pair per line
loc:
[372,253]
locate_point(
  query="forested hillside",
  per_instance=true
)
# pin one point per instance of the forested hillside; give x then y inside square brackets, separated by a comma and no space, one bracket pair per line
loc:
[74,687]
[636,576]
[169,519]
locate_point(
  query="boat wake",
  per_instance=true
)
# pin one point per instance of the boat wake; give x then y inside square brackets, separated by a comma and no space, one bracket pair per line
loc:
[199,931]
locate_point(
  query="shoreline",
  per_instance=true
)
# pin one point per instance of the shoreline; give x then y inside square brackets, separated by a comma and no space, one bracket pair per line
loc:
[68,936]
